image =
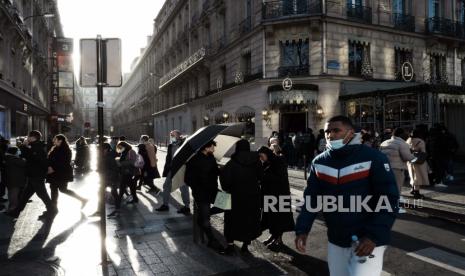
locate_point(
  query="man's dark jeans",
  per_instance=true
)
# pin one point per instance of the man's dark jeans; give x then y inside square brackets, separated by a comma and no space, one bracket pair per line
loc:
[35,185]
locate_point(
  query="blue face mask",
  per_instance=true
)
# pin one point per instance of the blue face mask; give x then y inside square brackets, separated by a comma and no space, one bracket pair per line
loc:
[336,144]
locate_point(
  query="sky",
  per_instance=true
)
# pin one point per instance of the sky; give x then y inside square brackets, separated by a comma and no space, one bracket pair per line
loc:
[131,21]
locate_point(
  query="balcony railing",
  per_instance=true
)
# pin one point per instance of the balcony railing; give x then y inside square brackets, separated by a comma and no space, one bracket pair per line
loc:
[403,22]
[446,27]
[359,13]
[246,25]
[301,70]
[289,8]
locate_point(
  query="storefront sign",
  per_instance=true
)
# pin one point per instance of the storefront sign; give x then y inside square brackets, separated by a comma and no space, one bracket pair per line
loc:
[287,84]
[407,71]
[333,64]
[63,73]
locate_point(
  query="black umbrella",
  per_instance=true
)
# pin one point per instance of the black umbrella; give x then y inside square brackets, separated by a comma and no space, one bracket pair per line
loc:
[226,135]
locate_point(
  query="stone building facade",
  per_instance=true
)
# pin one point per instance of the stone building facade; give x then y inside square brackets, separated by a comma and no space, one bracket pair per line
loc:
[290,64]
[27,31]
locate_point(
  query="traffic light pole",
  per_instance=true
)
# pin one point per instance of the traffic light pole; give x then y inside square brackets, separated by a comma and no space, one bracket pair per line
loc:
[101,60]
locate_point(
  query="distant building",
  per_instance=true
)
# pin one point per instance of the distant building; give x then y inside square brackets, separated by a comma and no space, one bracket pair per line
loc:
[288,65]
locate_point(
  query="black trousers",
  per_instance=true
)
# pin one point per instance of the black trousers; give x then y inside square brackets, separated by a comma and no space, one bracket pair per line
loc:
[126,181]
[2,183]
[62,187]
[35,185]
[203,219]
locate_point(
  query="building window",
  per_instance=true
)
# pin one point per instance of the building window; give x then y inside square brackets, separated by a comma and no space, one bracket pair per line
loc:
[463,72]
[460,11]
[401,56]
[438,69]
[294,58]
[246,66]
[362,112]
[222,80]
[435,8]
[359,60]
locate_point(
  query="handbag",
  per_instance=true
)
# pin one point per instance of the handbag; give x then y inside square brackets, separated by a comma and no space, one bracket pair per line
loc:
[223,200]
[420,155]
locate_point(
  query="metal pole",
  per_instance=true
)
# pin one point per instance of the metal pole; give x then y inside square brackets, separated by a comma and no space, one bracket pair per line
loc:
[100,83]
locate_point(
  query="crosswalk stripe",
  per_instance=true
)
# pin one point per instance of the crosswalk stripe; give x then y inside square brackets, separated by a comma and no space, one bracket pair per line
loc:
[441,258]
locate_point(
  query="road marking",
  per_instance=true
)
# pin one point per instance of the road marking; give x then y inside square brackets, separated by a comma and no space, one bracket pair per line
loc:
[441,258]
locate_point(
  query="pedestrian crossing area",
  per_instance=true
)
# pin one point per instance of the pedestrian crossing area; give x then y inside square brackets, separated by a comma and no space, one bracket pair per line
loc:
[431,255]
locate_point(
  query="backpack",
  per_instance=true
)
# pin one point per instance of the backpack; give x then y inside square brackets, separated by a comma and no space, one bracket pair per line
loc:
[139,163]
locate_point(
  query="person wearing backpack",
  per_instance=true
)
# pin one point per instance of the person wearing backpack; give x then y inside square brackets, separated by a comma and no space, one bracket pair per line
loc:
[418,171]
[128,171]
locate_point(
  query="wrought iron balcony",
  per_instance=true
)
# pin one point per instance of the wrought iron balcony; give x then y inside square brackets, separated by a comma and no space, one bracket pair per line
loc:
[359,13]
[285,71]
[446,27]
[403,22]
[285,9]
[246,25]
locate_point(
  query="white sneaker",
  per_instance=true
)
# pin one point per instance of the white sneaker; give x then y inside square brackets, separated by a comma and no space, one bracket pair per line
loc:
[441,185]
[402,210]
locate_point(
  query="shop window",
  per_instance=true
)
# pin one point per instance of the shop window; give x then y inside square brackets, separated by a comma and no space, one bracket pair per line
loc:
[362,112]
[401,111]
[438,69]
[401,56]
[294,58]
[359,60]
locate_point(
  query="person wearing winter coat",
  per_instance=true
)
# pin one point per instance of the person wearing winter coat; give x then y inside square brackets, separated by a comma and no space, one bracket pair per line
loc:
[82,154]
[418,172]
[110,171]
[128,173]
[398,153]
[275,183]
[176,142]
[33,150]
[149,172]
[60,171]
[241,178]
[202,176]
[15,176]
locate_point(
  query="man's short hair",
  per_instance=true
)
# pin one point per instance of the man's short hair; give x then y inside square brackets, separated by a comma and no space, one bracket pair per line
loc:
[343,119]
[122,138]
[36,134]
[144,138]
[398,132]
[175,131]
[208,144]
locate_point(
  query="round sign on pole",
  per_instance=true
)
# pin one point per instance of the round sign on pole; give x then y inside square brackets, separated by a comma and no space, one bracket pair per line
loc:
[287,84]
[407,71]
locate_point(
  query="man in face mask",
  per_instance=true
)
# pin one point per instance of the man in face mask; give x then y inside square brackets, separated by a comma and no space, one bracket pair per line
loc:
[175,143]
[350,172]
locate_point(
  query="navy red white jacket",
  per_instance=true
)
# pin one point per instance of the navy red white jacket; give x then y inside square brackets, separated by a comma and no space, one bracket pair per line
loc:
[354,170]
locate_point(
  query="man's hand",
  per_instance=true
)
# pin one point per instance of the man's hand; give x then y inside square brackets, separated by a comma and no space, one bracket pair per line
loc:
[301,242]
[365,248]
[50,170]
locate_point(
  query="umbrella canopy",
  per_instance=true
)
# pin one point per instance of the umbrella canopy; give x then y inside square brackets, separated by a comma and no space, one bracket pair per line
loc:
[225,135]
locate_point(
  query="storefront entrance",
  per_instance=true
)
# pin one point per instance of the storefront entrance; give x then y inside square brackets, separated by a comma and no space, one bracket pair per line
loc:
[293,122]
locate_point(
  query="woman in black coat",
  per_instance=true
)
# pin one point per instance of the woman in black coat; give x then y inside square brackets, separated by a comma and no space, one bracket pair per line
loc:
[241,178]
[275,183]
[60,171]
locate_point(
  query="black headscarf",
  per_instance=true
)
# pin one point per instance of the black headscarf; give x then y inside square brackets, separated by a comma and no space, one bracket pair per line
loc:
[242,145]
[268,152]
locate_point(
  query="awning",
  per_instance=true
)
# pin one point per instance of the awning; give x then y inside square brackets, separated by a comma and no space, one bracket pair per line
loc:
[245,112]
[451,98]
[368,88]
[300,94]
